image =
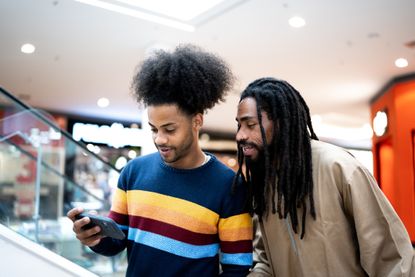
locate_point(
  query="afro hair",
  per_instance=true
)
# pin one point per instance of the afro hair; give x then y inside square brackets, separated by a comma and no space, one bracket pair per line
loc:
[189,77]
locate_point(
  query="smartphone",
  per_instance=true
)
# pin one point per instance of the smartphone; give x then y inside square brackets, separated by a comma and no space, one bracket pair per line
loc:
[108,226]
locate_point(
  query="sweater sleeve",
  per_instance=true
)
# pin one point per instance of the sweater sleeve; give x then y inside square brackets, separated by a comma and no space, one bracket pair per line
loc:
[118,213]
[384,244]
[235,235]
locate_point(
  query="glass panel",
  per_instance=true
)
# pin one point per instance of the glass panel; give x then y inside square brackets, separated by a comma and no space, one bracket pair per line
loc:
[43,174]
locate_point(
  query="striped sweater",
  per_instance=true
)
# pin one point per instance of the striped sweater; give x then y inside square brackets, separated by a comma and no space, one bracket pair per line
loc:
[180,222]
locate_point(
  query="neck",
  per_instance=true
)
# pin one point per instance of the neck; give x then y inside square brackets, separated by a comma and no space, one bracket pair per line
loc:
[193,159]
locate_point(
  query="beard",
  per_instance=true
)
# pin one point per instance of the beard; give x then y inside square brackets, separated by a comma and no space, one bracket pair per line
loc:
[256,165]
[257,170]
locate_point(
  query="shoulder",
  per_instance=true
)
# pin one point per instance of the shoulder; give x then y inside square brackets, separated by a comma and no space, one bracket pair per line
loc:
[220,168]
[142,162]
[333,160]
[329,154]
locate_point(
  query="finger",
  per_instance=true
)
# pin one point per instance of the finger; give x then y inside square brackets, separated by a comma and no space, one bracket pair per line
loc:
[91,241]
[73,212]
[78,224]
[89,233]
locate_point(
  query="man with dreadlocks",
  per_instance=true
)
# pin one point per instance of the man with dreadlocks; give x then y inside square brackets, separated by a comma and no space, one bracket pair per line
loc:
[319,211]
[178,208]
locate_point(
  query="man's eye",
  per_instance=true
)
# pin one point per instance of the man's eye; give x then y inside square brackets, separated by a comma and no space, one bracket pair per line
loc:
[153,130]
[170,130]
[251,125]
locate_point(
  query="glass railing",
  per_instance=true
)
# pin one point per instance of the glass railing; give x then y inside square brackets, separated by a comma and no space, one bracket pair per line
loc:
[43,174]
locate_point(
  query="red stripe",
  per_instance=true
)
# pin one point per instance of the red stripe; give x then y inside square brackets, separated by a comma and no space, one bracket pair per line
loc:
[241,246]
[171,231]
[121,219]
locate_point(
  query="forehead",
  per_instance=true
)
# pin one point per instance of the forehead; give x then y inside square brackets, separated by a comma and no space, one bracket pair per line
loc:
[247,108]
[166,113]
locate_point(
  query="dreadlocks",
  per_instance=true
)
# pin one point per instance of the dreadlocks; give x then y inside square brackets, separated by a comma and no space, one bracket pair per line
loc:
[286,169]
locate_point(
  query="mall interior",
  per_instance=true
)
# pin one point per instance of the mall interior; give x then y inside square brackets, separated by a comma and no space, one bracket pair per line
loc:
[69,124]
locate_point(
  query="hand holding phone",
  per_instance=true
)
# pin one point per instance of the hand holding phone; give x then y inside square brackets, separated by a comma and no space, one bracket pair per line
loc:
[108,226]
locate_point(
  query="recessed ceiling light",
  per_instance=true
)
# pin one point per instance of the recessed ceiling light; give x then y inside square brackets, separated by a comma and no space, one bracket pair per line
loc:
[28,48]
[296,22]
[103,102]
[401,62]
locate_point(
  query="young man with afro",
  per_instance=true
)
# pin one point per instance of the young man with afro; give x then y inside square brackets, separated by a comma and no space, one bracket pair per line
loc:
[177,206]
[320,211]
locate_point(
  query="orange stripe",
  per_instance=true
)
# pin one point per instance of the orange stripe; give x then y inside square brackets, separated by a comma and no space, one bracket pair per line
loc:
[172,217]
[236,234]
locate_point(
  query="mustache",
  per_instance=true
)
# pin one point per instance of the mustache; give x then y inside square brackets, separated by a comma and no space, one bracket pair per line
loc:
[158,146]
[243,143]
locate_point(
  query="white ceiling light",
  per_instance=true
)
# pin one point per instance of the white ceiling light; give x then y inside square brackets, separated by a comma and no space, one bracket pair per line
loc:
[183,10]
[401,62]
[103,102]
[139,14]
[296,22]
[28,48]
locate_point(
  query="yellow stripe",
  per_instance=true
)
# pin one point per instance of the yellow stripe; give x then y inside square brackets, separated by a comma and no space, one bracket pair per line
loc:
[235,222]
[172,217]
[169,203]
[119,202]
[234,228]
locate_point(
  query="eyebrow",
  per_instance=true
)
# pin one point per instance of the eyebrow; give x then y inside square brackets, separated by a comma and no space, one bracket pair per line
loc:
[162,126]
[245,118]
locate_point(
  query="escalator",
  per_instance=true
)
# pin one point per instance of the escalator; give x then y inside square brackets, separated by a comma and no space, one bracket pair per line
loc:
[44,173]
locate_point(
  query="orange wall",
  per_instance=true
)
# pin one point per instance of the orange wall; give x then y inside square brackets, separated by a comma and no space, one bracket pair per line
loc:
[393,153]
[386,167]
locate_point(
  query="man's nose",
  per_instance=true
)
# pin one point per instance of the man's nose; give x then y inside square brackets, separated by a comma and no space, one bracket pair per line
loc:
[160,139]
[240,135]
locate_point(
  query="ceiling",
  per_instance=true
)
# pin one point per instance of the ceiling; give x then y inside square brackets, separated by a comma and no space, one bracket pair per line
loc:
[341,59]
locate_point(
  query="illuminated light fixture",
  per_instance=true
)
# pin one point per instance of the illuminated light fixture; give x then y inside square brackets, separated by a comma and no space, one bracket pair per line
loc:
[120,162]
[231,162]
[139,14]
[336,132]
[204,137]
[103,102]
[132,154]
[296,22]
[401,62]
[183,10]
[28,48]
[380,123]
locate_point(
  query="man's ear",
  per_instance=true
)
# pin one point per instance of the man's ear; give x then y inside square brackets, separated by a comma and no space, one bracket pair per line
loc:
[198,121]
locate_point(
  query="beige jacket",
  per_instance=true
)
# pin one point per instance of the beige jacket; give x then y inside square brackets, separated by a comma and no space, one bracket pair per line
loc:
[356,233]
